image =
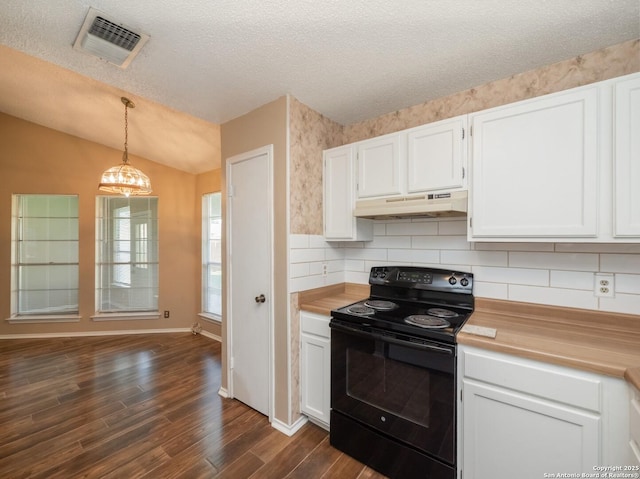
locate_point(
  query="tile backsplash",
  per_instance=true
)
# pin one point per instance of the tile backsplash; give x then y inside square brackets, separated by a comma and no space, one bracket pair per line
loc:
[559,274]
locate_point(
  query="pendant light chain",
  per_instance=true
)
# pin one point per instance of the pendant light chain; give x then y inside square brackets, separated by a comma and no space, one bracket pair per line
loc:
[125,179]
[125,156]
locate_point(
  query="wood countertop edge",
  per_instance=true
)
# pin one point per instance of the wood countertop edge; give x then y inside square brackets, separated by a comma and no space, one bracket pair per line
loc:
[632,375]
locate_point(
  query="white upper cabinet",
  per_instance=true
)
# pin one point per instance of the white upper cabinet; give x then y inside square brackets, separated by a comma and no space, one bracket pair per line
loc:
[339,197]
[535,168]
[380,168]
[559,168]
[436,156]
[430,157]
[627,156]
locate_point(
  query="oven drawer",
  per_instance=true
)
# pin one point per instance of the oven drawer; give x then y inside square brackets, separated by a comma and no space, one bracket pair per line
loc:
[317,324]
[579,389]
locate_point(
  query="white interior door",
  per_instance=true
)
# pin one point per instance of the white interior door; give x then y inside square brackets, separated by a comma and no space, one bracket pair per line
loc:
[249,256]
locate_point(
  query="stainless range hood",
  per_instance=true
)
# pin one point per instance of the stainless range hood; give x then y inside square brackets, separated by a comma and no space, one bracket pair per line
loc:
[427,205]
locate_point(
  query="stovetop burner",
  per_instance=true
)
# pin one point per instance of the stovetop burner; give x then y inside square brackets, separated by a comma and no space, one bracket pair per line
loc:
[427,321]
[360,309]
[442,313]
[380,305]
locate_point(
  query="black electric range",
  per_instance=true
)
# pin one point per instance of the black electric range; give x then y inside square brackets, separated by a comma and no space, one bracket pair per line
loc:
[393,371]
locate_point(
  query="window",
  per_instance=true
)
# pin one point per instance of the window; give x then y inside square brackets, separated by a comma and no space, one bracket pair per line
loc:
[211,255]
[44,256]
[126,255]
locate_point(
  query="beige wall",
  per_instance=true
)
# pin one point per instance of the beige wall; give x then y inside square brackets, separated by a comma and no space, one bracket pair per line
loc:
[208,182]
[264,126]
[35,159]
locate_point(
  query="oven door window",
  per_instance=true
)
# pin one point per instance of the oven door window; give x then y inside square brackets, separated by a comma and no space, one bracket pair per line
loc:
[404,392]
[391,386]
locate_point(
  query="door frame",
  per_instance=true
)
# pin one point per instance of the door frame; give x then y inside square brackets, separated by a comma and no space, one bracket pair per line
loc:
[268,150]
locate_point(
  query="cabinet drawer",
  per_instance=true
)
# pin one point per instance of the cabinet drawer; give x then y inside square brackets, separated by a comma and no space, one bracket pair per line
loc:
[538,379]
[315,324]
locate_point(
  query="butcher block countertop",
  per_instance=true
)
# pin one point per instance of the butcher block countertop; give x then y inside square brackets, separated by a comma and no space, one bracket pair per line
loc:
[596,341]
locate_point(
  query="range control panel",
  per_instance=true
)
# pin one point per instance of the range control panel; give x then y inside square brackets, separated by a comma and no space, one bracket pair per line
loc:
[432,279]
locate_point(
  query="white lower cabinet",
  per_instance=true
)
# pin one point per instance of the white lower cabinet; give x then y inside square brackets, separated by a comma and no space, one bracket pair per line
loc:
[634,427]
[523,418]
[315,367]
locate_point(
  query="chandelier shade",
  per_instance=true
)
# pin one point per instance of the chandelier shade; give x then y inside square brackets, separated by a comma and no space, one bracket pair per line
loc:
[125,179]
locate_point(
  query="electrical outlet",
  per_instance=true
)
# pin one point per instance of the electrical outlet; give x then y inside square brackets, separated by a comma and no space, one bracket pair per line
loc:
[604,286]
[325,268]
[166,314]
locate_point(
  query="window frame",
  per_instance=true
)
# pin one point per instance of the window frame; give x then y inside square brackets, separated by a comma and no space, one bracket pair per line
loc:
[110,252]
[207,217]
[19,248]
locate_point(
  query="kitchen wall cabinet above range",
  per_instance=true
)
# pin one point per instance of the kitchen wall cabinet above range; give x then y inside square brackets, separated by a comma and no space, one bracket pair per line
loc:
[430,157]
[543,169]
[380,166]
[399,166]
[339,185]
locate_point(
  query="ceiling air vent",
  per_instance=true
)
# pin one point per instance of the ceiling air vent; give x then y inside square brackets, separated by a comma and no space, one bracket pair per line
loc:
[105,38]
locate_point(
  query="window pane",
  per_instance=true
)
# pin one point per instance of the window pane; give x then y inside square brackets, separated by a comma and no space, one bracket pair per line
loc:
[44,254]
[49,277]
[48,252]
[127,254]
[211,254]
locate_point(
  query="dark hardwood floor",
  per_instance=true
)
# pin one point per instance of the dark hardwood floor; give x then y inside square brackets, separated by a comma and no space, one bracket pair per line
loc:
[142,406]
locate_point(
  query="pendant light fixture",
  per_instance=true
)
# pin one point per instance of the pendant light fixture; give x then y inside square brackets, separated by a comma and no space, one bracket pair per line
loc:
[124,179]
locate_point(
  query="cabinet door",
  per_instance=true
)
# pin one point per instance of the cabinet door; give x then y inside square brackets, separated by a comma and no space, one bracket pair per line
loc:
[435,156]
[535,168]
[339,197]
[627,157]
[507,435]
[634,427]
[380,167]
[315,380]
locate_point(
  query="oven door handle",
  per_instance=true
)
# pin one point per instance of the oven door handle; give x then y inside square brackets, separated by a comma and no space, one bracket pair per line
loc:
[389,339]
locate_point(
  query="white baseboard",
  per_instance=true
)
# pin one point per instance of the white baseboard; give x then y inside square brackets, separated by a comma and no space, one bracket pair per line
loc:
[223,392]
[79,334]
[211,335]
[287,429]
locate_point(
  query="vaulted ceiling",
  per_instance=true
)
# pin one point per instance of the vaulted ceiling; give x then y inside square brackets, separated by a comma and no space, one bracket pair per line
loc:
[207,62]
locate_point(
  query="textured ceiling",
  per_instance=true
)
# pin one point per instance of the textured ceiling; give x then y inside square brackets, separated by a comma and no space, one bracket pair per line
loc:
[210,61]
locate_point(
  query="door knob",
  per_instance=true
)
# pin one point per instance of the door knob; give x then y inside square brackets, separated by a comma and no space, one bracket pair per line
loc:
[260,299]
